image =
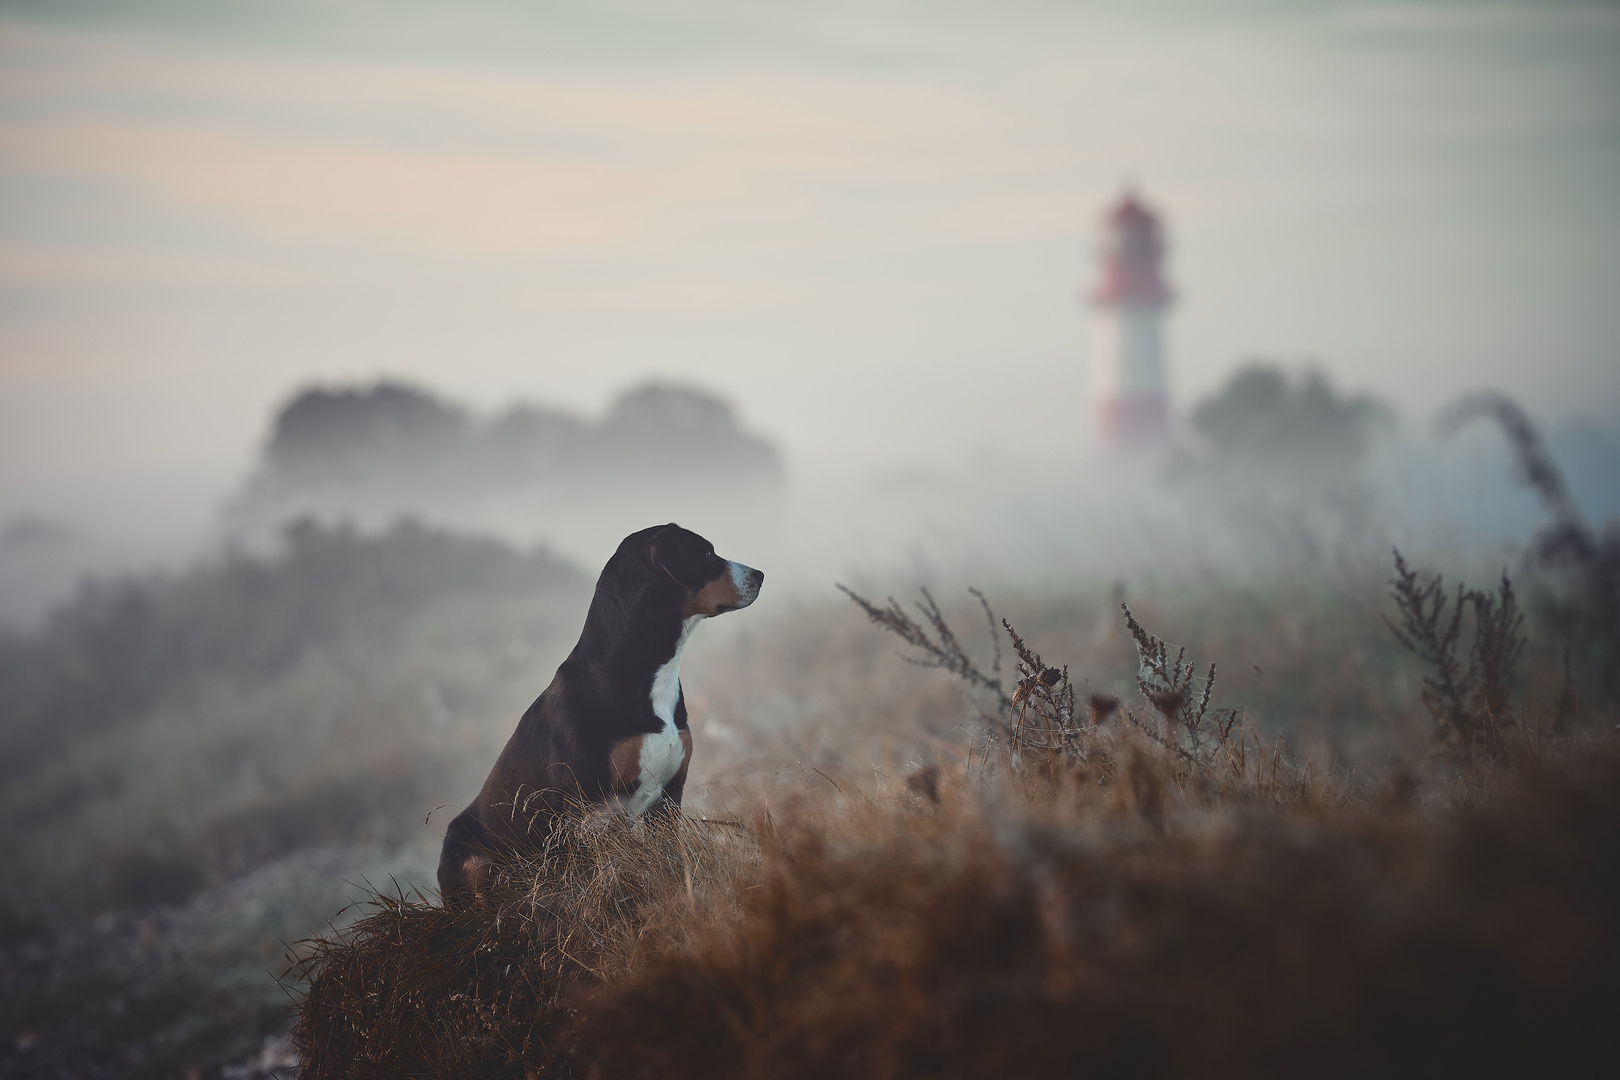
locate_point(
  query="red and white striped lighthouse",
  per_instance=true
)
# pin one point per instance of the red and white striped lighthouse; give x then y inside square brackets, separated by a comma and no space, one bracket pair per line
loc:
[1127,367]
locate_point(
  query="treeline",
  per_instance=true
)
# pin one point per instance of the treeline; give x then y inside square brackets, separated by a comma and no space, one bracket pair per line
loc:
[123,645]
[336,450]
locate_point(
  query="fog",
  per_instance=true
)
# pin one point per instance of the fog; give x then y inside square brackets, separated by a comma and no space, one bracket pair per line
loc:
[868,230]
[342,342]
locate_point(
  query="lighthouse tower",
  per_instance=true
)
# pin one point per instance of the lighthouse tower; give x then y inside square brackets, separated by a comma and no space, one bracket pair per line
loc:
[1127,377]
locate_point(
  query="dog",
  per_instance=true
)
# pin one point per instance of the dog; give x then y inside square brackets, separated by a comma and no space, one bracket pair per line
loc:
[611,729]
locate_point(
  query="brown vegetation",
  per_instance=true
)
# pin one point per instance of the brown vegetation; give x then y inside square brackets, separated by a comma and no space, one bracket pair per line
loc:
[1090,890]
[417,989]
[1575,564]
[1112,933]
[1466,693]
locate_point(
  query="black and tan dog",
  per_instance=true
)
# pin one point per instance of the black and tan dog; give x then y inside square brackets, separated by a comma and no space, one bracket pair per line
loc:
[611,728]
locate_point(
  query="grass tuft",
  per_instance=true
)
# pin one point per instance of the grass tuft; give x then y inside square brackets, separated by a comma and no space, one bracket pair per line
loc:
[413,988]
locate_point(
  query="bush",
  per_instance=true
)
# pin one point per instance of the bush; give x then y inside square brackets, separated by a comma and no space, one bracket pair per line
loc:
[415,989]
[121,647]
[260,704]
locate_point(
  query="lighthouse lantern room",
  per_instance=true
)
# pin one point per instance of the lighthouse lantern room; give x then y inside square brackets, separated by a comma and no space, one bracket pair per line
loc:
[1128,378]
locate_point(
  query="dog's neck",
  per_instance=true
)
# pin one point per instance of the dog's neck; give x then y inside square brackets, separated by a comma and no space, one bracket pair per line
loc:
[666,684]
[634,637]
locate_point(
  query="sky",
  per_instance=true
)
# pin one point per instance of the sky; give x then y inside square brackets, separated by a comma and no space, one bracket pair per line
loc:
[869,225]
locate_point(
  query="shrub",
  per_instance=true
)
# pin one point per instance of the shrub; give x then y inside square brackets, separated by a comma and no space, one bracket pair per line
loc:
[1468,698]
[1577,563]
[417,989]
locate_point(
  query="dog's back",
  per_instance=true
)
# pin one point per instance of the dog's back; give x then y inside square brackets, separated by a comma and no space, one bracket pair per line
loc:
[611,729]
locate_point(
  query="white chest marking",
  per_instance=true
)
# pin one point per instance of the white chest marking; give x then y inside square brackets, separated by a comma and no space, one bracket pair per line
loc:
[662,752]
[666,684]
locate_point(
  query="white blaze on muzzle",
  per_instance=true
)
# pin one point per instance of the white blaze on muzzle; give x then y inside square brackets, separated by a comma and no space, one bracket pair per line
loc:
[746,580]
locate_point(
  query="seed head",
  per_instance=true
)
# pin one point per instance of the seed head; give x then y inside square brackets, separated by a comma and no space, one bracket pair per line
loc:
[1168,702]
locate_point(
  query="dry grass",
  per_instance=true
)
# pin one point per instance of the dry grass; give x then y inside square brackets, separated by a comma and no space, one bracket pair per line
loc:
[1130,915]
[1076,934]
[1147,887]
[415,989]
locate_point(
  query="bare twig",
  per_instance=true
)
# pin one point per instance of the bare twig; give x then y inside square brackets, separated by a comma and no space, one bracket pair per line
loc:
[1169,684]
[1469,700]
[936,642]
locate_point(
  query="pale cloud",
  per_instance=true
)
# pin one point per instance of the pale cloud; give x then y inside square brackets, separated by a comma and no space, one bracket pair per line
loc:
[314,191]
[1455,17]
[24,265]
[863,251]
[1037,213]
[455,163]
[665,298]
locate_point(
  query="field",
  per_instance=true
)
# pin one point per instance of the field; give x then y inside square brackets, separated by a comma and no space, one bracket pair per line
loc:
[1181,442]
[1266,792]
[884,869]
[1145,887]
[1055,926]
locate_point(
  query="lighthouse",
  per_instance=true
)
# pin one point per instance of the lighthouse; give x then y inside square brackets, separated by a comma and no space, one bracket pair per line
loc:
[1127,373]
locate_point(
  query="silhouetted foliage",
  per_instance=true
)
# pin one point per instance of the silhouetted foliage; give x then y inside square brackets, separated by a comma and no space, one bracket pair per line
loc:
[322,434]
[121,646]
[401,449]
[674,431]
[1468,699]
[1580,565]
[1263,419]
[1278,457]
[936,643]
[1041,713]
[1536,464]
[1169,684]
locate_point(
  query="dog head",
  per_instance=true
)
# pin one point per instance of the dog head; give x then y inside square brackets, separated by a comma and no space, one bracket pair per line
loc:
[712,585]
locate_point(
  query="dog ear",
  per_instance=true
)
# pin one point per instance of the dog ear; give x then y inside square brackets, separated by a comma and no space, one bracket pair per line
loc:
[673,552]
